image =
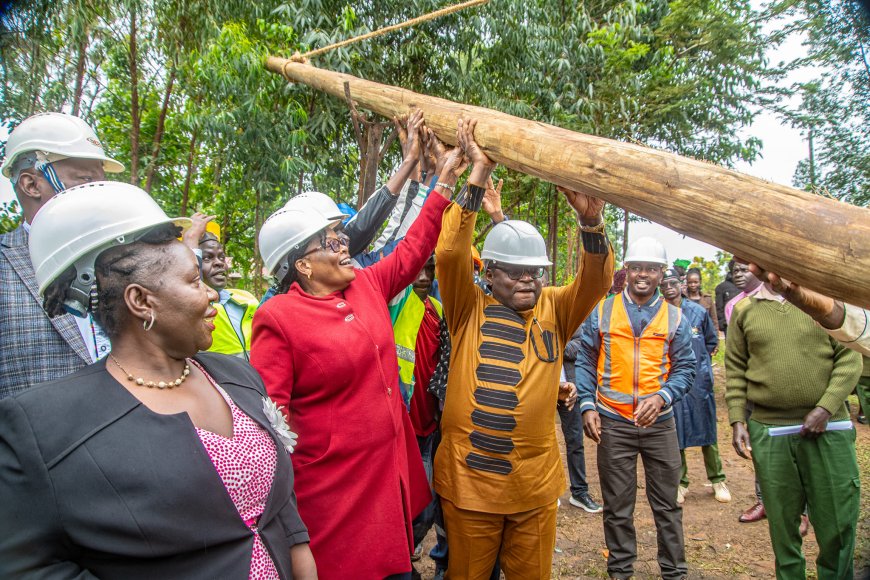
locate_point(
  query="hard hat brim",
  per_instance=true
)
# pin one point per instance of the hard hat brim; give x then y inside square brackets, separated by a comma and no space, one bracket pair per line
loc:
[97,248]
[109,165]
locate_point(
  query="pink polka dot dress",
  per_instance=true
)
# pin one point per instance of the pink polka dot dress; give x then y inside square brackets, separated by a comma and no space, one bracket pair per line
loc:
[246,465]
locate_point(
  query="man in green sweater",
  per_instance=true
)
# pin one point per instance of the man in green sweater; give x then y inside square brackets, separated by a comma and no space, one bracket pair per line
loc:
[792,373]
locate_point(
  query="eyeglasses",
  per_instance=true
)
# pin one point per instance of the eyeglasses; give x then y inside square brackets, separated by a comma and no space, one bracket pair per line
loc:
[334,244]
[516,273]
[638,268]
[547,338]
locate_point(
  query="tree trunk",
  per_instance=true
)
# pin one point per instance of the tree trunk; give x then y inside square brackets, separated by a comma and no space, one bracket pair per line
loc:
[81,60]
[158,133]
[191,155]
[812,240]
[134,101]
[553,235]
[625,234]
[369,180]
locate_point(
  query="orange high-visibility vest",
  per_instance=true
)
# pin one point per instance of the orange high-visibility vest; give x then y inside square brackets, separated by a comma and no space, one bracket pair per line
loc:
[632,368]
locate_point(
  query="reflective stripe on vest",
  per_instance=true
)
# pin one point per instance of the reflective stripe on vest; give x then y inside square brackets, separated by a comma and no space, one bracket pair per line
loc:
[631,368]
[405,329]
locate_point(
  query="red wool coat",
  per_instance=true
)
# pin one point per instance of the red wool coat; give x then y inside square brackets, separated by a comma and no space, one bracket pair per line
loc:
[331,362]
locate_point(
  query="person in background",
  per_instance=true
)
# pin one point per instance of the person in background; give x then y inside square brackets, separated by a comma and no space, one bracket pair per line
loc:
[45,154]
[416,322]
[793,374]
[634,363]
[159,460]
[846,323]
[745,281]
[725,291]
[695,413]
[235,307]
[326,349]
[694,293]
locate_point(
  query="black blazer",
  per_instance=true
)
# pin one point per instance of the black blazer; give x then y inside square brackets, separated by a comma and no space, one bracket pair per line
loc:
[95,484]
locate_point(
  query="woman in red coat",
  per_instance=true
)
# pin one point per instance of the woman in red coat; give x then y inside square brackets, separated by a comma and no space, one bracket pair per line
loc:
[324,347]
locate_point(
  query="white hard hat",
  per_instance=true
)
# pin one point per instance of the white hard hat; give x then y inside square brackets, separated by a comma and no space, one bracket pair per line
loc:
[286,230]
[515,242]
[319,201]
[56,134]
[648,250]
[78,224]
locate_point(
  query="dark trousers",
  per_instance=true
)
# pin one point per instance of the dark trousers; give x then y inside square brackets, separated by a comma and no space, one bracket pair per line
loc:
[425,519]
[572,429]
[621,443]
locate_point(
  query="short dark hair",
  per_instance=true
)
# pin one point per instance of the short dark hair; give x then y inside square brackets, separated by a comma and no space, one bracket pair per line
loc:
[694,271]
[141,262]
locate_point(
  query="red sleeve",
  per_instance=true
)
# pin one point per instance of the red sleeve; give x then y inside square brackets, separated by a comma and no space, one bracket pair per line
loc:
[395,272]
[271,355]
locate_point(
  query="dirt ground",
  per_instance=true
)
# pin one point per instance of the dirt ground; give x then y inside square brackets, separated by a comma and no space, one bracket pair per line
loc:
[717,545]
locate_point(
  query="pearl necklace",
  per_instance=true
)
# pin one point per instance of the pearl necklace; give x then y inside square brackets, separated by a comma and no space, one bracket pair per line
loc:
[151,384]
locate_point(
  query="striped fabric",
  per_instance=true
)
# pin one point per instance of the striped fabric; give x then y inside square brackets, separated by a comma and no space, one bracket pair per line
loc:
[499,371]
[34,348]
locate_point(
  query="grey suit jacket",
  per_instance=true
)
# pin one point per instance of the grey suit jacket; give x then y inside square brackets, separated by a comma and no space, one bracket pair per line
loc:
[33,347]
[94,484]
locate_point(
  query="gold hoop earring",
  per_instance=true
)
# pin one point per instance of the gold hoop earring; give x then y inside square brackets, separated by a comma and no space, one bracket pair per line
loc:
[146,326]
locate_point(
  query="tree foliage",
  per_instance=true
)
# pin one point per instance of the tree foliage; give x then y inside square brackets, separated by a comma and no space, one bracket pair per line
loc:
[178,89]
[833,111]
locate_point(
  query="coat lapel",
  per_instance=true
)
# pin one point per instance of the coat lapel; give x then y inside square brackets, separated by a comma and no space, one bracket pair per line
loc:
[17,253]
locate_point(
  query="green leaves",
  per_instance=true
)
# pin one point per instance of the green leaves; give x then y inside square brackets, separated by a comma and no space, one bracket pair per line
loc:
[238,141]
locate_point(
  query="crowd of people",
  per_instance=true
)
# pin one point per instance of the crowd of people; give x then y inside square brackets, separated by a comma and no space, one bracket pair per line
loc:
[155,422]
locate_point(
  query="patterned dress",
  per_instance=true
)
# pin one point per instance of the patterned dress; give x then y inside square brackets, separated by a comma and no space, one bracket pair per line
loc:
[246,465]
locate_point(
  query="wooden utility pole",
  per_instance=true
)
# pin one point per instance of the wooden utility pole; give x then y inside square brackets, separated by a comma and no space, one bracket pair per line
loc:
[812,240]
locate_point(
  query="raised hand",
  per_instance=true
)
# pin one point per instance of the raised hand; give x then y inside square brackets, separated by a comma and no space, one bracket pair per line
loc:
[399,123]
[589,209]
[483,165]
[465,137]
[428,159]
[492,200]
[413,147]
[191,236]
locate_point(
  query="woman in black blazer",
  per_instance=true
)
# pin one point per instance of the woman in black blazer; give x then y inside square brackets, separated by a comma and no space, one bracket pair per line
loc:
[104,473]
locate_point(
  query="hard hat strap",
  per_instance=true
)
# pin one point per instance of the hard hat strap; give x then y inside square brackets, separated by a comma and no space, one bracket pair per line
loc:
[50,175]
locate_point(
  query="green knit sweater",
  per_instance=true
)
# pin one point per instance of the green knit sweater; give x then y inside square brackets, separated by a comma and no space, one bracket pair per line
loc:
[780,360]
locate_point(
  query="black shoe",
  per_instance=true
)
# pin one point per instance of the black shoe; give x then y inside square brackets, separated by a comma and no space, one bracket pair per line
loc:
[584,501]
[862,419]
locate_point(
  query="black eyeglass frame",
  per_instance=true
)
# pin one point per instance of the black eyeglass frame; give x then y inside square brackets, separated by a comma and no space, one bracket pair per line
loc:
[334,244]
[534,272]
[548,338]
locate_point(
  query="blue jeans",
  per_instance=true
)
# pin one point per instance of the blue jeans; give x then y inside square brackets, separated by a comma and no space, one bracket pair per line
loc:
[572,429]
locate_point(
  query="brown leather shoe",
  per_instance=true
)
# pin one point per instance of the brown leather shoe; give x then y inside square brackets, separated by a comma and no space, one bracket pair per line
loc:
[805,525]
[753,514]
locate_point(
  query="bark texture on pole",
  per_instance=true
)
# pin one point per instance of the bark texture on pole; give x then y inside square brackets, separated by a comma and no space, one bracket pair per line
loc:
[820,243]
